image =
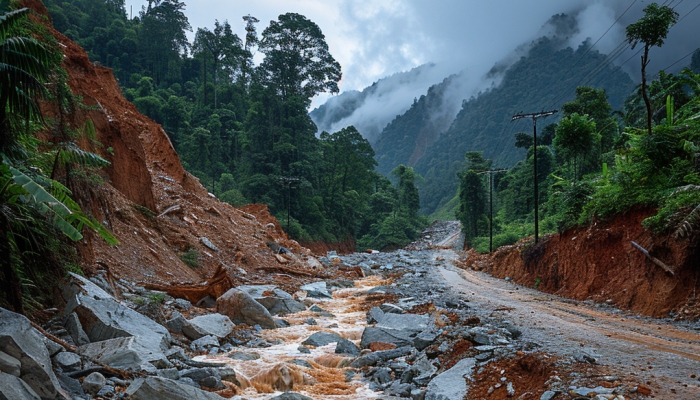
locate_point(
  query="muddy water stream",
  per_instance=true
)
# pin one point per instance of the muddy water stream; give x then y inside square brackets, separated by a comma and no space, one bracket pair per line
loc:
[277,369]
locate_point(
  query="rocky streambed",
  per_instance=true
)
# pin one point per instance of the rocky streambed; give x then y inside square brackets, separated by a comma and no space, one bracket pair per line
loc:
[396,331]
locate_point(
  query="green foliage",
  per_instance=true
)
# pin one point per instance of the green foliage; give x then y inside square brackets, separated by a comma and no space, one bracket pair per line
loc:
[190,258]
[156,298]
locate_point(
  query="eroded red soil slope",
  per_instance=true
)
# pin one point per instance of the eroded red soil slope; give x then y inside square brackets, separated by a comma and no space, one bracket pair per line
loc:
[599,262]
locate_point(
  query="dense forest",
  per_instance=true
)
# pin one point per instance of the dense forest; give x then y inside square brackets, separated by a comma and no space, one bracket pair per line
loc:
[241,128]
[596,161]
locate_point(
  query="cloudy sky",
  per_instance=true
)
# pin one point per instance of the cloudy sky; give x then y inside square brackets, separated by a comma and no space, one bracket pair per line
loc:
[375,38]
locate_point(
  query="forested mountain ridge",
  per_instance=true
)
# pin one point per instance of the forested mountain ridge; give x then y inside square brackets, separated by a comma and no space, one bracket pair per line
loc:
[532,84]
[371,109]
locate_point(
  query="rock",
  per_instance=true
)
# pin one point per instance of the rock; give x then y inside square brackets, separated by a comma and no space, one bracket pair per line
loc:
[345,346]
[391,308]
[130,353]
[382,376]
[423,371]
[67,361]
[52,347]
[386,335]
[399,389]
[211,324]
[20,340]
[417,394]
[182,304]
[281,323]
[75,330]
[204,343]
[103,318]
[156,388]
[644,390]
[374,358]
[588,392]
[304,350]
[93,383]
[548,395]
[169,373]
[9,364]
[413,322]
[259,291]
[239,306]
[244,356]
[212,382]
[71,385]
[107,391]
[13,388]
[483,336]
[207,302]
[451,384]
[176,322]
[424,339]
[310,321]
[209,244]
[281,306]
[291,396]
[319,339]
[302,363]
[317,290]
[582,356]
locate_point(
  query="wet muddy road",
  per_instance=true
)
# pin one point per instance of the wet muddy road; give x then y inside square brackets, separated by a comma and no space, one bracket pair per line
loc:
[661,353]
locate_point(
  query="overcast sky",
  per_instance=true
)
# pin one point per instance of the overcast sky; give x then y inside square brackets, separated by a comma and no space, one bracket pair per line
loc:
[375,38]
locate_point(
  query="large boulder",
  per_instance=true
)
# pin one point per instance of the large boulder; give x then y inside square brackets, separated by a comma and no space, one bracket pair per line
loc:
[13,388]
[103,318]
[398,337]
[317,289]
[132,353]
[398,329]
[281,306]
[156,388]
[19,340]
[451,384]
[242,308]
[211,324]
[319,339]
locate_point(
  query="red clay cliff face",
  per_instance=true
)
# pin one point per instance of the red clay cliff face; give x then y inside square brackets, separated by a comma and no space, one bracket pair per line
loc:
[598,262]
[156,209]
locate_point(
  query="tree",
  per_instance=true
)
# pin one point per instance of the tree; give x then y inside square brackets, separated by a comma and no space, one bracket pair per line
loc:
[23,69]
[409,201]
[251,40]
[651,30]
[576,138]
[163,40]
[224,46]
[297,61]
[472,193]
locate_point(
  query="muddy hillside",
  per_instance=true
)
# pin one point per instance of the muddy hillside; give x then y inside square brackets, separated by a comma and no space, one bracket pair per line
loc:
[160,213]
[599,262]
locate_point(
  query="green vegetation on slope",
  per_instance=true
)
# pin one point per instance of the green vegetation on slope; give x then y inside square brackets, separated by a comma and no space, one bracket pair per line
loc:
[243,129]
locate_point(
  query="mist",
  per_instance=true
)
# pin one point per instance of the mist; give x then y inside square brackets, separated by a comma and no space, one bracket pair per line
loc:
[470,38]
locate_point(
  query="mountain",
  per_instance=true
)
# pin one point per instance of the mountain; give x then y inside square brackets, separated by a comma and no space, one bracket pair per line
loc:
[371,109]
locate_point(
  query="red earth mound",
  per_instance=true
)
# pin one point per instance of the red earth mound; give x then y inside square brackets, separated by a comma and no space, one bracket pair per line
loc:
[599,262]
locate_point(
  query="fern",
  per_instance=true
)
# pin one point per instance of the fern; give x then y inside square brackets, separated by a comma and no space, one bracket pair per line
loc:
[691,221]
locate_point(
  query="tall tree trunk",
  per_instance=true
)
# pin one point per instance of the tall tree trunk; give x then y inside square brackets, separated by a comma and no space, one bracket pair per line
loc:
[645,62]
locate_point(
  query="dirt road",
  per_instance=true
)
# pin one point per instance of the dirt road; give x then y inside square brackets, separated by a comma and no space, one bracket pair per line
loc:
[660,353]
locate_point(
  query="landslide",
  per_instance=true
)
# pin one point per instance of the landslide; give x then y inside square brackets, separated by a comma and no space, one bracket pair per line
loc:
[157,210]
[599,263]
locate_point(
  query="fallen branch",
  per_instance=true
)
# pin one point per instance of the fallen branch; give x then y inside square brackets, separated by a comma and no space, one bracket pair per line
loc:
[653,259]
[169,210]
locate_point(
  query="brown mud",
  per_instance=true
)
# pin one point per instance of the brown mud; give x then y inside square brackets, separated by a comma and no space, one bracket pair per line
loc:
[598,262]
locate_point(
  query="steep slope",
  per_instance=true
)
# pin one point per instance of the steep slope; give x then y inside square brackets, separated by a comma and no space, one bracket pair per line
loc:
[483,124]
[371,109]
[156,209]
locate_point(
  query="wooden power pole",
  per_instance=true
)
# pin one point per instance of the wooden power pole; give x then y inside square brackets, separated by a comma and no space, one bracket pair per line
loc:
[534,117]
[491,172]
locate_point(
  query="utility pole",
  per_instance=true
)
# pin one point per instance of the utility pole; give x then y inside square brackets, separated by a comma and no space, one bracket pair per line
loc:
[288,181]
[534,117]
[491,172]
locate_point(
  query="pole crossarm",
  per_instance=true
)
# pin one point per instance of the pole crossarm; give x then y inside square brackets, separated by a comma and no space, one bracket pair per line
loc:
[534,115]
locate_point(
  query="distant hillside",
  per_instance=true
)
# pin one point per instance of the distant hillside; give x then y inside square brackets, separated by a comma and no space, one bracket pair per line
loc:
[374,107]
[533,83]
